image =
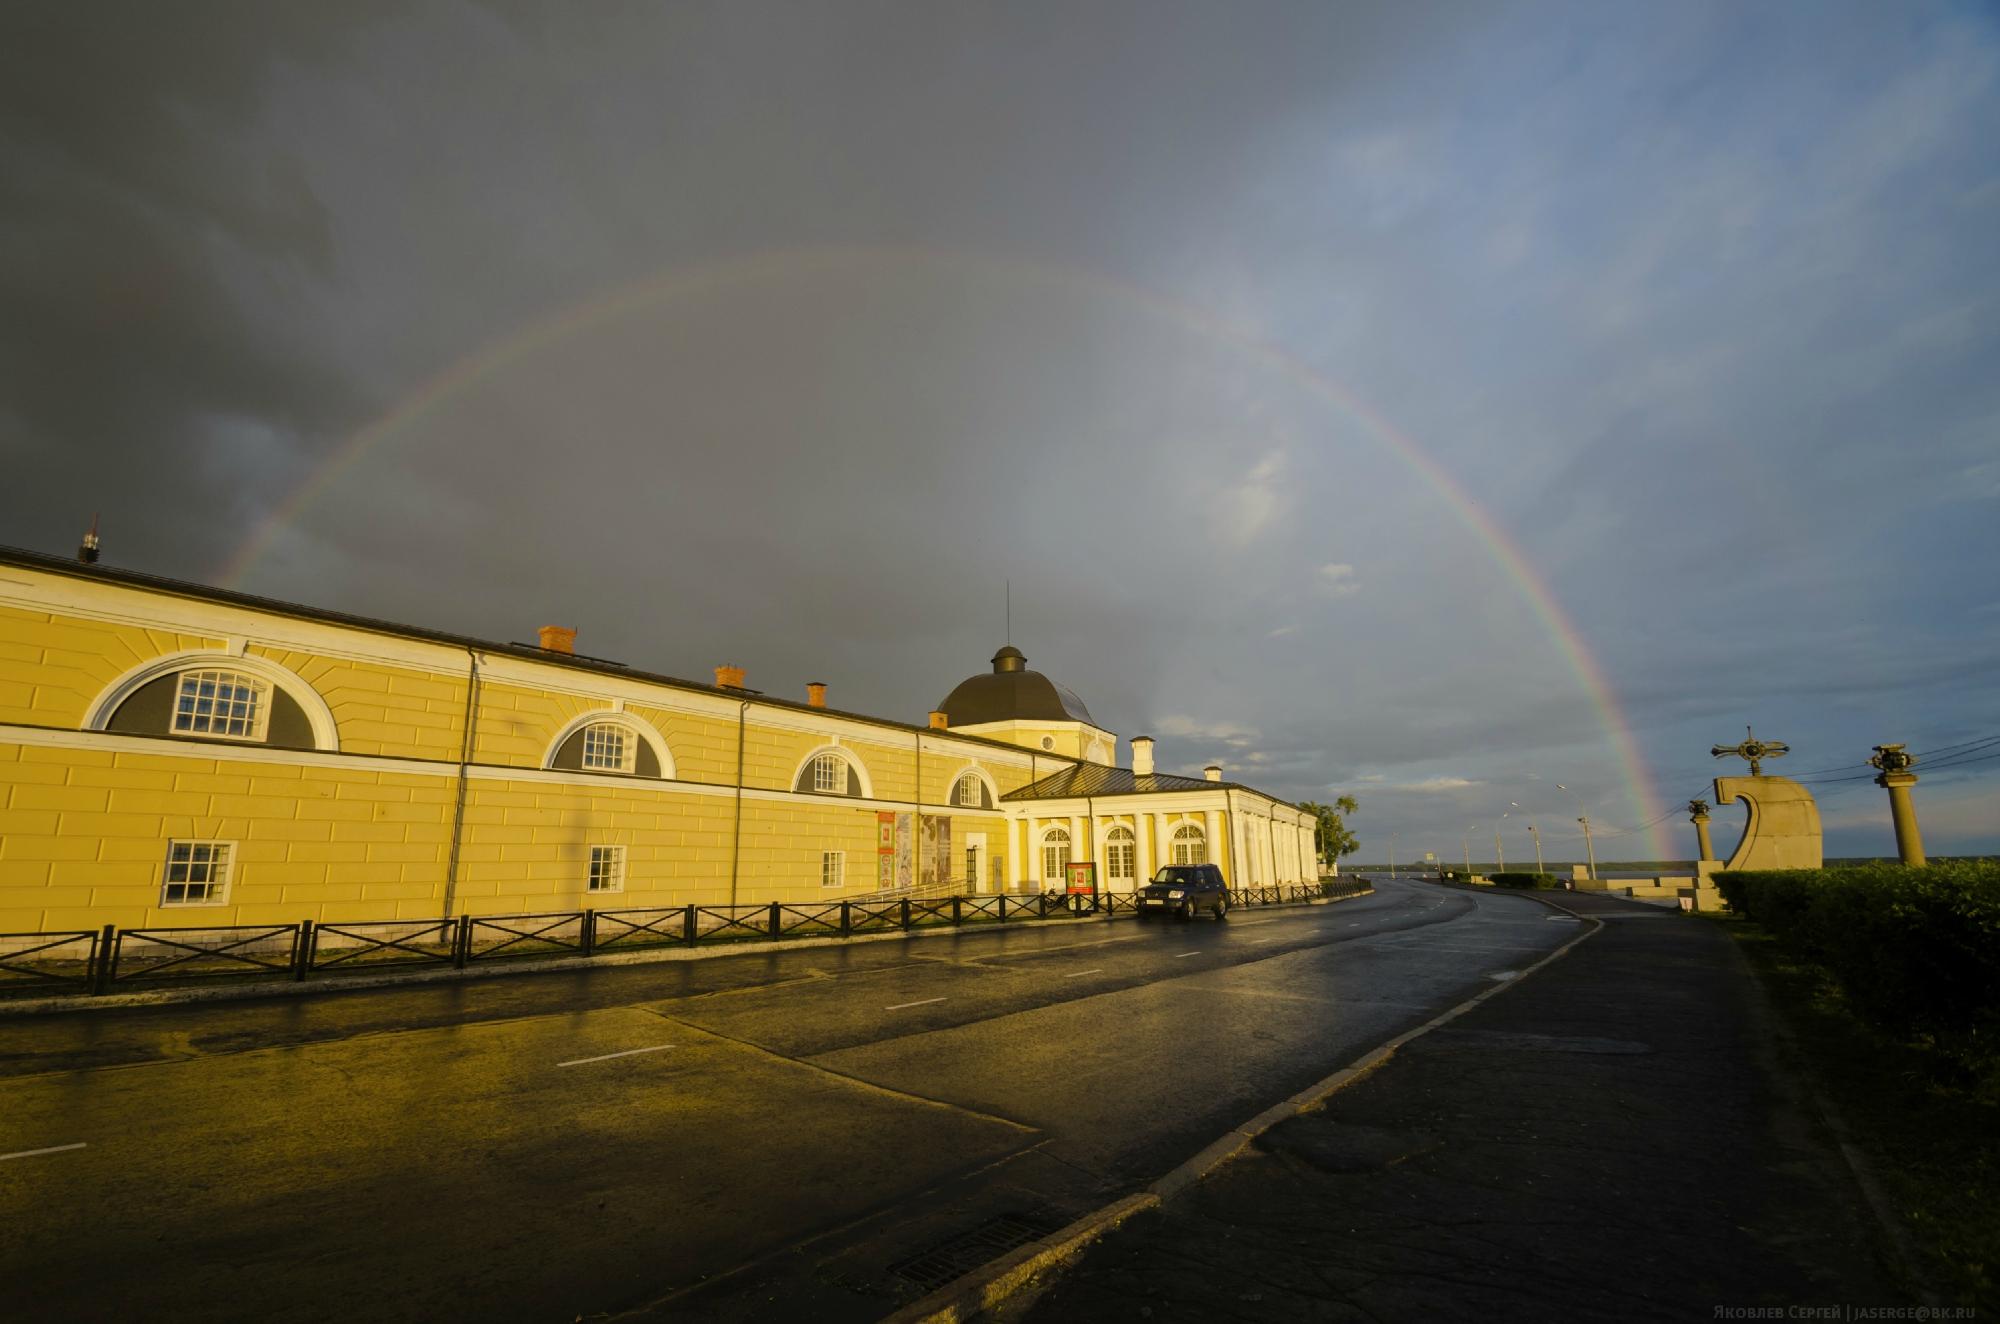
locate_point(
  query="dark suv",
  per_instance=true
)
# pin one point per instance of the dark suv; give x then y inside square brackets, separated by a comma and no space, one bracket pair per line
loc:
[1185,890]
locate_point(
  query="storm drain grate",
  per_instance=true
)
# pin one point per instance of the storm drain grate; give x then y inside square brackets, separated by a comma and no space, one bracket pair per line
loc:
[965,1252]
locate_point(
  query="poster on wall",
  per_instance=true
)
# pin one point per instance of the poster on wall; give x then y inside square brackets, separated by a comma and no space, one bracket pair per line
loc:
[885,850]
[904,850]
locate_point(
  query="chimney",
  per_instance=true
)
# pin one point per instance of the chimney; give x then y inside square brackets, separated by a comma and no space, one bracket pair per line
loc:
[1142,755]
[815,693]
[728,677]
[1213,772]
[557,639]
[86,552]
[939,720]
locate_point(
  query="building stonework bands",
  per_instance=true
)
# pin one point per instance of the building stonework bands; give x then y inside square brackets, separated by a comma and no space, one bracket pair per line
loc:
[173,755]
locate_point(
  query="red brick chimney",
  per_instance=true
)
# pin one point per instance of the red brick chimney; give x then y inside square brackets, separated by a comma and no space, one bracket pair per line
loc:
[729,677]
[816,693]
[557,638]
[939,720]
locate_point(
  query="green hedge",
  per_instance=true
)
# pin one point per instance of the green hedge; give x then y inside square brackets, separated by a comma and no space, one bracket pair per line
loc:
[1916,951]
[1541,881]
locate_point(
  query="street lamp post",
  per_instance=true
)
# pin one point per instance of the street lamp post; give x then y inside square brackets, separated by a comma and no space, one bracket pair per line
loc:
[1589,848]
[1536,835]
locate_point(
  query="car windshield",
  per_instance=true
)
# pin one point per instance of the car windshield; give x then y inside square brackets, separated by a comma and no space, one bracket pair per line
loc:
[1180,875]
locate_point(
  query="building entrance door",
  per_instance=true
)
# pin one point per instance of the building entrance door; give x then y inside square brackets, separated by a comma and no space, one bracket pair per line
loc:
[975,861]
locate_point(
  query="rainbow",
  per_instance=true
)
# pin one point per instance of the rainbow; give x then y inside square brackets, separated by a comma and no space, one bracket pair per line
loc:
[500,354]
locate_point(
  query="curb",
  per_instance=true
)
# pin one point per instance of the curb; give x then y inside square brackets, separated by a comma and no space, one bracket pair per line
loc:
[528,966]
[981,1291]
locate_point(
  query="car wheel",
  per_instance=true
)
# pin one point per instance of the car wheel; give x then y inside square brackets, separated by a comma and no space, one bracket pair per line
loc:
[1184,911]
[1222,908]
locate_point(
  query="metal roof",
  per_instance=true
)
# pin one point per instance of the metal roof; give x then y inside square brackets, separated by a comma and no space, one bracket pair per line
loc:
[1011,692]
[74,569]
[1094,779]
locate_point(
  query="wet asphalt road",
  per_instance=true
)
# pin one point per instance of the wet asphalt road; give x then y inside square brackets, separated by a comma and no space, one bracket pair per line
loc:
[757,1136]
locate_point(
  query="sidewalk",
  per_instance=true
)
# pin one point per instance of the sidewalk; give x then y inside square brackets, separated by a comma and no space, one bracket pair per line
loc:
[1614,1139]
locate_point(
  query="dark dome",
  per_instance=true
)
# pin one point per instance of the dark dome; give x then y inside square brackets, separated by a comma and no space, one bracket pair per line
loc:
[1012,693]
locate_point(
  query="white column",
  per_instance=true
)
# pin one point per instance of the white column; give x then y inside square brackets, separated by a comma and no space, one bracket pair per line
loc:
[1269,845]
[1164,837]
[1098,827]
[1079,842]
[1031,855]
[1142,848]
[1211,831]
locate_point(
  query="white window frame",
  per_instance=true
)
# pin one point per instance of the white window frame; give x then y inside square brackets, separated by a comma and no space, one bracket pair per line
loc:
[219,863]
[605,871]
[968,781]
[628,748]
[256,724]
[1121,849]
[820,766]
[833,868]
[1190,844]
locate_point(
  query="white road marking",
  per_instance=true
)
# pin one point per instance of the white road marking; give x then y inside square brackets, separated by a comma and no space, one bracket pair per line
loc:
[1078,974]
[606,1057]
[1255,941]
[52,1149]
[1184,955]
[920,1002]
[1503,974]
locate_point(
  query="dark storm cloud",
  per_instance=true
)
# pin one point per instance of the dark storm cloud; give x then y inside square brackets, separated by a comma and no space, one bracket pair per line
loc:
[1698,302]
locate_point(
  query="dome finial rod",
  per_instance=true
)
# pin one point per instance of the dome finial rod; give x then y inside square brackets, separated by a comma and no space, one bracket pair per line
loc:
[1010,611]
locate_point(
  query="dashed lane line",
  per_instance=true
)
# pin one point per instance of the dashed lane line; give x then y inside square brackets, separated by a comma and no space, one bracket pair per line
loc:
[1078,974]
[606,1057]
[1184,955]
[920,1002]
[52,1149]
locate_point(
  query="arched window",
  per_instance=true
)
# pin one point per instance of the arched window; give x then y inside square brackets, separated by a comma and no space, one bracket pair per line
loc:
[216,696]
[1190,844]
[970,792]
[613,742]
[829,772]
[1120,853]
[1055,856]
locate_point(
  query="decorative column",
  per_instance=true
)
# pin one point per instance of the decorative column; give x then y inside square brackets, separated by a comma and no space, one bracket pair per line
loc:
[1211,835]
[1163,836]
[1698,815]
[1079,841]
[1143,866]
[1897,779]
[1030,871]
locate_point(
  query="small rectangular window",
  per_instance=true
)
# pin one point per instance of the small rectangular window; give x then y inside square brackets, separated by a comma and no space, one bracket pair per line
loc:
[197,873]
[829,775]
[832,868]
[607,868]
[219,703]
[604,747]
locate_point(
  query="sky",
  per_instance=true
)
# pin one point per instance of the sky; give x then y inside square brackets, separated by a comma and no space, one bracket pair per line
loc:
[1339,387]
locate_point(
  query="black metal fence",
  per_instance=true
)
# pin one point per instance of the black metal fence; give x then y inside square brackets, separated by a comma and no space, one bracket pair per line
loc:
[82,961]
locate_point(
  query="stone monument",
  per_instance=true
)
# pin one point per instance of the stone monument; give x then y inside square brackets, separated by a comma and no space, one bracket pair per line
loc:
[1782,831]
[1897,779]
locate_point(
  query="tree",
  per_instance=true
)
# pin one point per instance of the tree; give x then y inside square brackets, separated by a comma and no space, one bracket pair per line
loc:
[1334,840]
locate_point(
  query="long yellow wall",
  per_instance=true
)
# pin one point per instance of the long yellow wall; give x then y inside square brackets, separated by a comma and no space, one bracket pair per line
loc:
[365,832]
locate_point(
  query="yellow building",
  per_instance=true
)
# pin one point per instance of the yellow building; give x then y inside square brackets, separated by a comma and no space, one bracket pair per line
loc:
[174,755]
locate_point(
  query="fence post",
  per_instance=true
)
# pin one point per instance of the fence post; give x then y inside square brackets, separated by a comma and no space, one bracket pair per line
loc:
[303,939]
[906,912]
[774,919]
[461,948]
[958,910]
[1003,907]
[687,925]
[102,958]
[846,918]
[589,930]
